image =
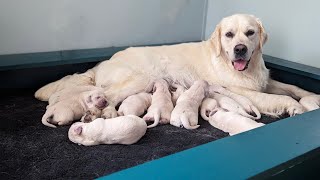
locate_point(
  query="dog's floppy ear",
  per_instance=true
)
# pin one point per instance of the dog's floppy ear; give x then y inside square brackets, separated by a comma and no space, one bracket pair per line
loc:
[216,40]
[263,34]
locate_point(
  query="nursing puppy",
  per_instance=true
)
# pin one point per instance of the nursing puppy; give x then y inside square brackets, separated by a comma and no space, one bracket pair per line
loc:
[176,90]
[120,130]
[231,105]
[135,104]
[207,105]
[161,105]
[231,122]
[73,108]
[186,110]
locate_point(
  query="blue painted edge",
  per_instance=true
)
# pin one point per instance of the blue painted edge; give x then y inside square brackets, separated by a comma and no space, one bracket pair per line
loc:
[238,157]
[293,67]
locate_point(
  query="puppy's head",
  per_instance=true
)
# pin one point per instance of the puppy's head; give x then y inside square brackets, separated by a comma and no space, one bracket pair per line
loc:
[237,39]
[75,133]
[96,99]
[160,85]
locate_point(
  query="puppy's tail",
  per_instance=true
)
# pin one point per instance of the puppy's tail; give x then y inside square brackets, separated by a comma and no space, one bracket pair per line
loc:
[156,119]
[203,113]
[185,122]
[46,118]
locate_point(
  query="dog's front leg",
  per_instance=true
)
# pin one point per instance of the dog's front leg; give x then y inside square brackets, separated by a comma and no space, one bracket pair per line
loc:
[271,104]
[308,100]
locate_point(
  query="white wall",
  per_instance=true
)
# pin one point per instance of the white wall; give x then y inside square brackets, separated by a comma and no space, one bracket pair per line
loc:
[293,26]
[51,25]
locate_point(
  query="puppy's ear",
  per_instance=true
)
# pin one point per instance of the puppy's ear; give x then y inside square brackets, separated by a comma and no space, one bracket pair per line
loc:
[263,34]
[78,130]
[215,40]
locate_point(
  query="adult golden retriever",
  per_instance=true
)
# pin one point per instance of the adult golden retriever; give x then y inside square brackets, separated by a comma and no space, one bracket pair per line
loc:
[232,57]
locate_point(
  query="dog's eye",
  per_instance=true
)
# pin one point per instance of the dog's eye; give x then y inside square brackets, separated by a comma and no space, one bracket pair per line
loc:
[249,33]
[229,34]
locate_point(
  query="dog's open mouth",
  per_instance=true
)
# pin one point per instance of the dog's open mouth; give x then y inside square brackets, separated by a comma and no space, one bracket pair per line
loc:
[240,64]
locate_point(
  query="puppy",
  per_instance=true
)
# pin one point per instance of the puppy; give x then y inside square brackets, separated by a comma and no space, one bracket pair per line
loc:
[176,90]
[186,111]
[135,104]
[231,122]
[120,130]
[91,114]
[207,105]
[73,108]
[161,105]
[244,102]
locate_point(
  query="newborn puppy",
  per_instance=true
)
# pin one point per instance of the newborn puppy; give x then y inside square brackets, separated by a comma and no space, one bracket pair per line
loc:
[186,111]
[176,90]
[120,130]
[230,105]
[207,105]
[73,108]
[91,114]
[231,122]
[161,104]
[135,105]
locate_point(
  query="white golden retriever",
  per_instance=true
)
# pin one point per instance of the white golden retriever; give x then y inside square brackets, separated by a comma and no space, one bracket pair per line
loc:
[231,57]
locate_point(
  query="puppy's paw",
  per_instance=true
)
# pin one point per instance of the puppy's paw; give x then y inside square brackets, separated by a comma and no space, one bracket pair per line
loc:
[295,110]
[311,102]
[109,112]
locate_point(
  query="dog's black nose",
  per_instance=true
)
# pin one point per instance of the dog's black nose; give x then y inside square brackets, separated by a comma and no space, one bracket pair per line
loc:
[240,49]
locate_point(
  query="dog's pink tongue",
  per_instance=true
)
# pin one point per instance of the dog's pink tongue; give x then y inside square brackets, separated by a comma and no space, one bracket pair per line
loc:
[239,64]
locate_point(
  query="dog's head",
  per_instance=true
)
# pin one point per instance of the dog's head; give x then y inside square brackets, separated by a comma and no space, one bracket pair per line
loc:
[237,39]
[96,99]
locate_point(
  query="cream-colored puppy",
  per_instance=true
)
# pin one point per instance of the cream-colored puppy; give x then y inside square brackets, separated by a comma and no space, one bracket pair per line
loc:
[161,105]
[135,104]
[73,108]
[186,110]
[120,130]
[176,90]
[231,105]
[231,122]
[207,105]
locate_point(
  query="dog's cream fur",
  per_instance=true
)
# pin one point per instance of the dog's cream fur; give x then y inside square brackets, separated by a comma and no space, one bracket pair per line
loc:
[135,104]
[72,108]
[185,113]
[131,71]
[120,130]
[161,104]
[231,122]
[176,90]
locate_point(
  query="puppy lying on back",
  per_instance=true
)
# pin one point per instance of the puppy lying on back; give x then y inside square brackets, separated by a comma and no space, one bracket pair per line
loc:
[186,110]
[135,104]
[73,108]
[231,122]
[161,105]
[120,130]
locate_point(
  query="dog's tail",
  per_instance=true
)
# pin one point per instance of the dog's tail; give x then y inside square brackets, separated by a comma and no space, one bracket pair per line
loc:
[46,91]
[156,119]
[46,118]
[185,122]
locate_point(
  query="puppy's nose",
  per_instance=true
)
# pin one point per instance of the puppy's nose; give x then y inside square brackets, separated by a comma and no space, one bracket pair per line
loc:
[240,49]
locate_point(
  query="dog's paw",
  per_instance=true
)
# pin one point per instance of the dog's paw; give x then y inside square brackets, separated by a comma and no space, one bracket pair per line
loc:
[311,102]
[109,112]
[295,110]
